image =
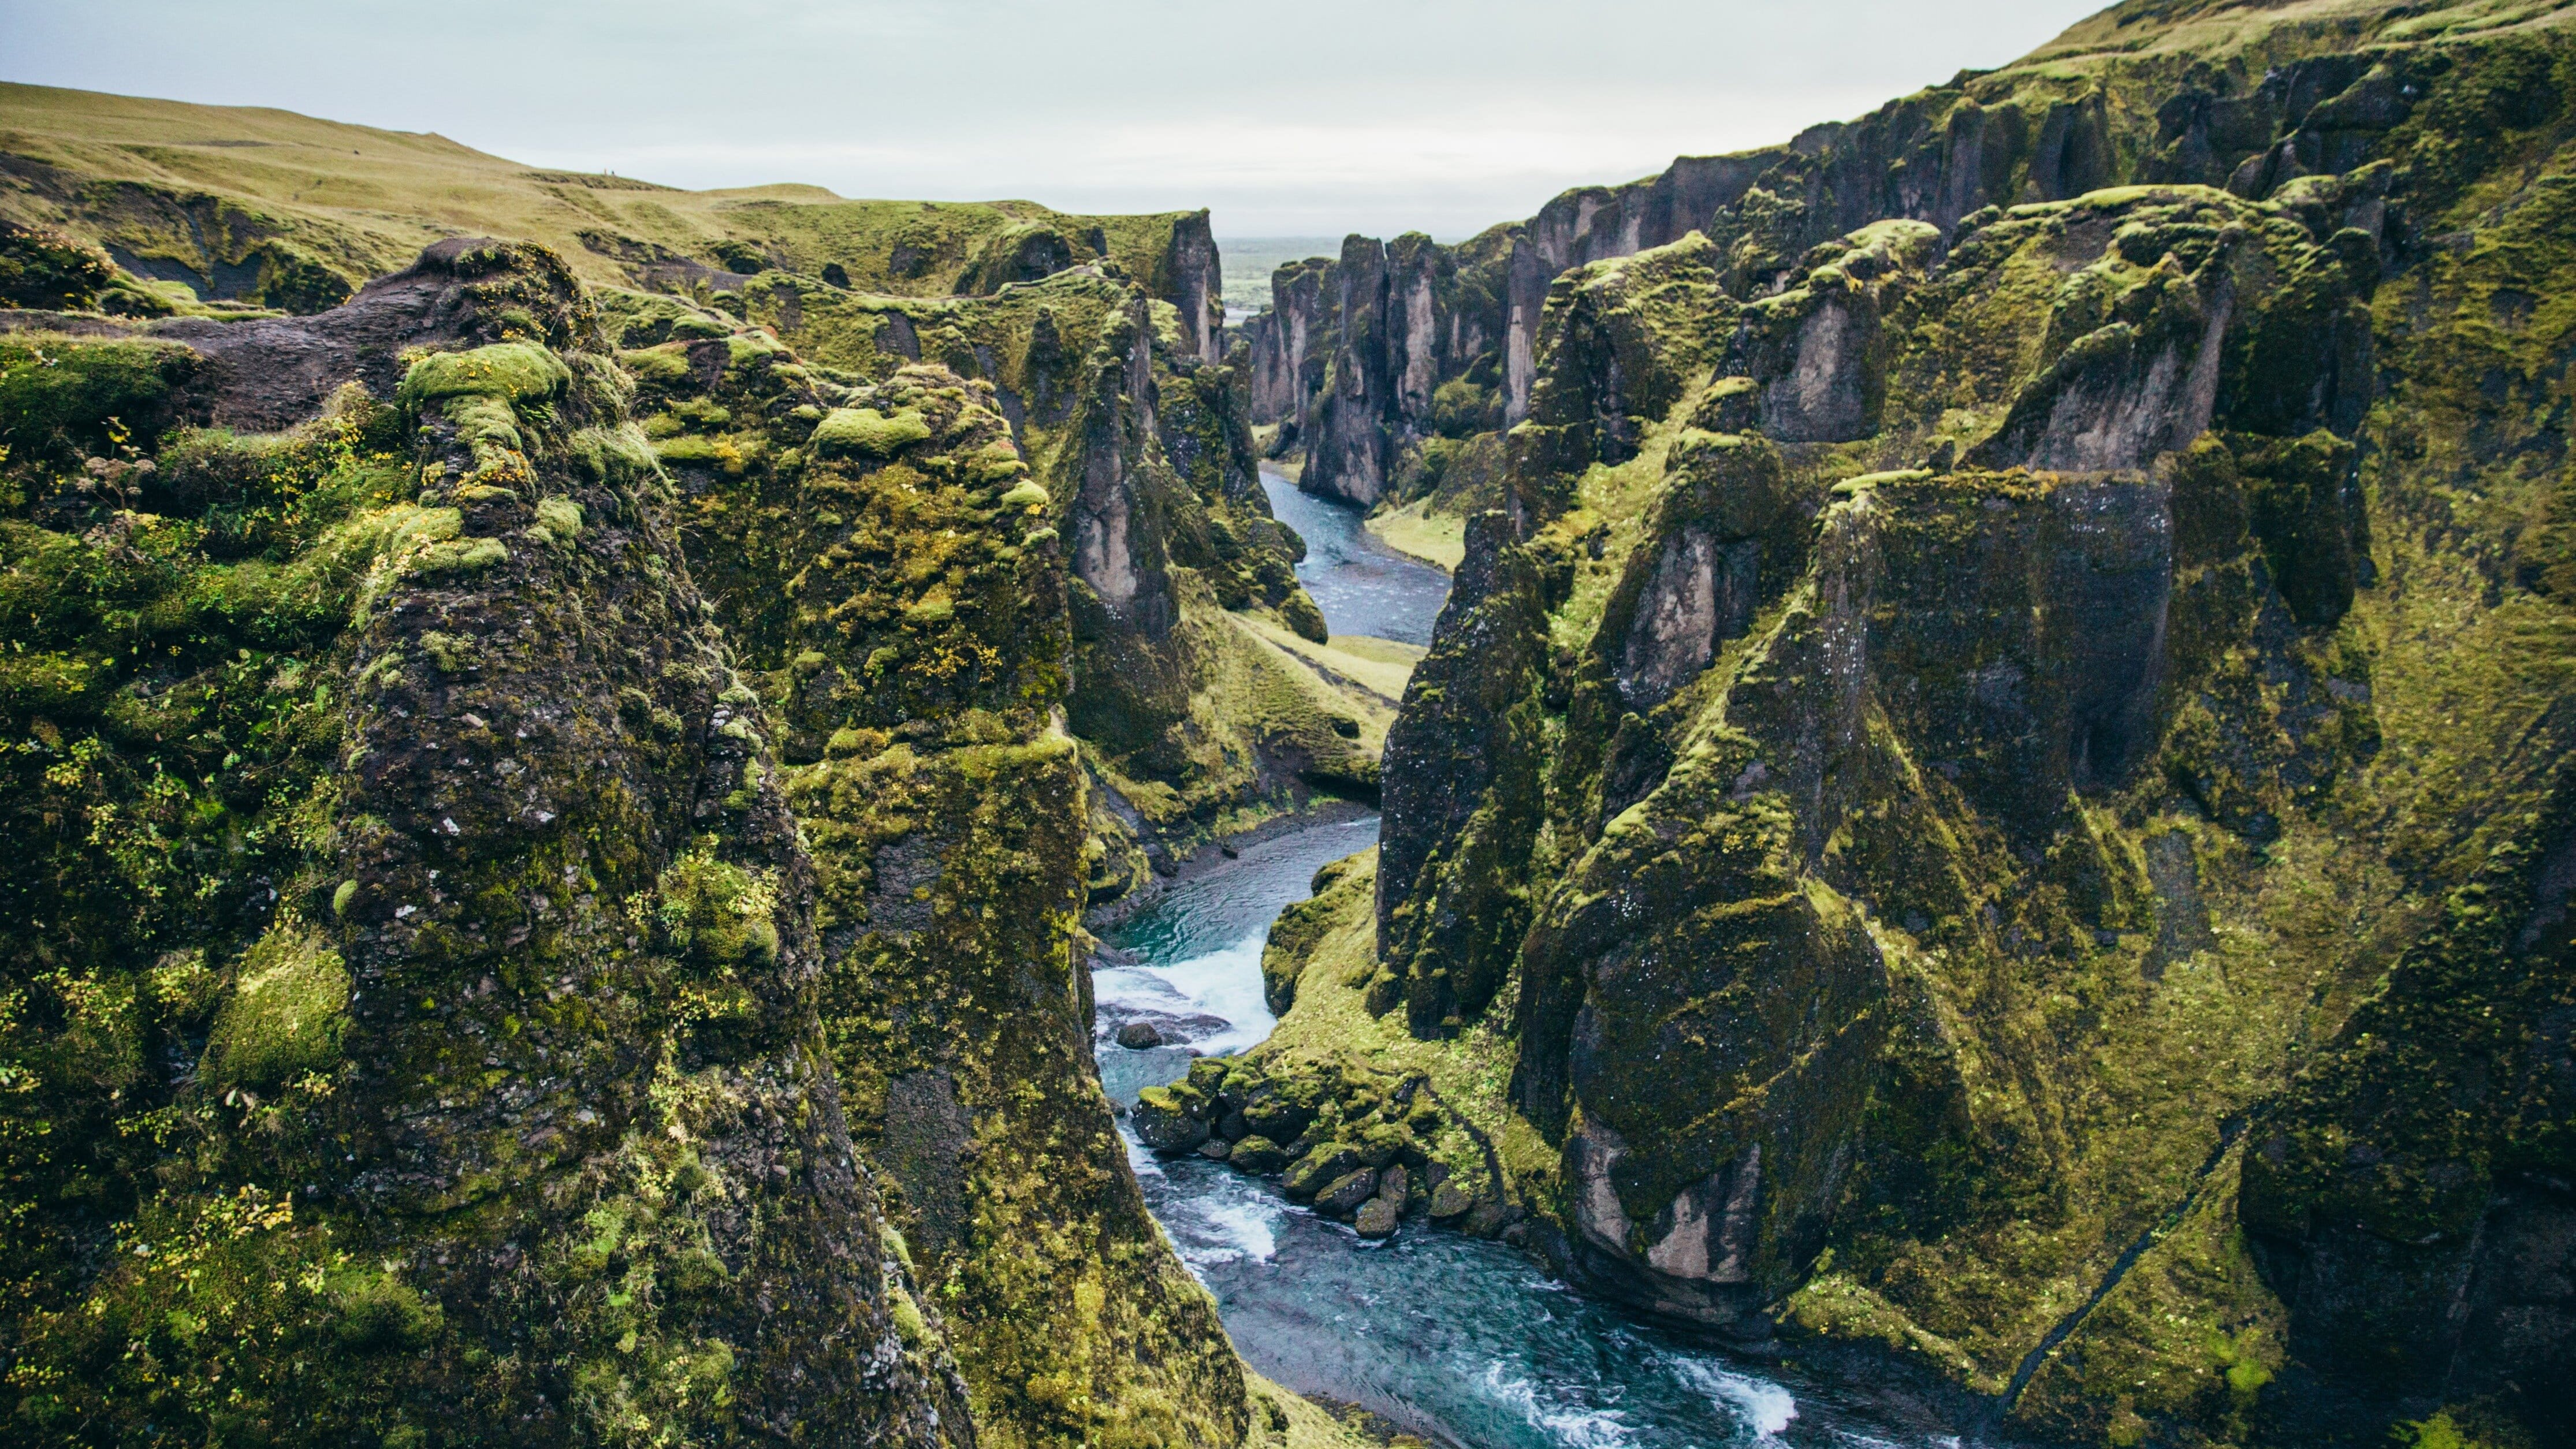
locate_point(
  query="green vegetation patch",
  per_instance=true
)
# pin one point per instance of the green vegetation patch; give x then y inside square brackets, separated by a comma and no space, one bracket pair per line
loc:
[516,372]
[285,1015]
[869,432]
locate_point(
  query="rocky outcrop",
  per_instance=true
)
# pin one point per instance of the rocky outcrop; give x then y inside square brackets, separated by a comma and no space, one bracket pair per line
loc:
[1147,447]
[494,1092]
[1959,642]
[630,1001]
[2091,111]
[942,609]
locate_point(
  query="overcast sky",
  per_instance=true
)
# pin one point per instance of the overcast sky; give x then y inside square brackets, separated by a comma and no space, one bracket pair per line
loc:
[1308,118]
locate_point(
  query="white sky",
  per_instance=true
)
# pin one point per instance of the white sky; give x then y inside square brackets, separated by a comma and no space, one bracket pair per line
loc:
[1308,118]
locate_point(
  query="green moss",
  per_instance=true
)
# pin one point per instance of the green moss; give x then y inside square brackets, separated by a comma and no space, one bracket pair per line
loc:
[461,556]
[513,372]
[560,516]
[61,399]
[284,1018]
[869,432]
[1306,619]
[48,271]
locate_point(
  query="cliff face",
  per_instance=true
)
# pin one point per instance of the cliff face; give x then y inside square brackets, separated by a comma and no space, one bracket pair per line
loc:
[1190,719]
[581,936]
[1996,790]
[2203,96]
[415,989]
[897,580]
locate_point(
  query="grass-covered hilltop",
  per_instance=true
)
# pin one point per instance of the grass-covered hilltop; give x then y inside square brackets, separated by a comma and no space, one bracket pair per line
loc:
[1992,809]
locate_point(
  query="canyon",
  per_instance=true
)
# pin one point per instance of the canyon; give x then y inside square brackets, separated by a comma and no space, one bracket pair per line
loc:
[665,817]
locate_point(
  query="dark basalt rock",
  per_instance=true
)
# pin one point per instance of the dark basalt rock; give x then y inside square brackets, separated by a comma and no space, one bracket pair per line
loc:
[1319,1168]
[1376,1219]
[1167,1124]
[1343,1195]
[550,904]
[2016,613]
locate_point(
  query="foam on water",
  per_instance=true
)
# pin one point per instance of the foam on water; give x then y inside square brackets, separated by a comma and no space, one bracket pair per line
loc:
[1766,1408]
[1572,1425]
[1241,1230]
[1224,983]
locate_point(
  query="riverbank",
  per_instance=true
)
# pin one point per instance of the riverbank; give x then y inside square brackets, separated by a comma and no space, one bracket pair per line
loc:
[1419,532]
[1464,1340]
[1214,859]
[1362,585]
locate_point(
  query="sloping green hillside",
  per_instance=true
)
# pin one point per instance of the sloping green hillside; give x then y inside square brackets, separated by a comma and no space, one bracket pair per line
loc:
[270,206]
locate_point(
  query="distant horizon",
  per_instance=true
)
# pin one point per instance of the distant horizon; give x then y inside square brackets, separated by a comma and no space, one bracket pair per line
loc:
[1438,116]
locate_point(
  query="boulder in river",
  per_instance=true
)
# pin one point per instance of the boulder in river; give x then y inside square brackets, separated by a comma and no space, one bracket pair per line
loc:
[1395,1185]
[1489,1219]
[1377,1218]
[1137,1036]
[1258,1155]
[1164,1123]
[1326,1164]
[1347,1192]
[1450,1201]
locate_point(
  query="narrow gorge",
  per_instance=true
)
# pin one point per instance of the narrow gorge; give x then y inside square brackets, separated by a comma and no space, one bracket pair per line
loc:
[1909,788]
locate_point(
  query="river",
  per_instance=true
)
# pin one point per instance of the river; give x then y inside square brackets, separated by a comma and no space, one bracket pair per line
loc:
[1463,1341]
[1363,586]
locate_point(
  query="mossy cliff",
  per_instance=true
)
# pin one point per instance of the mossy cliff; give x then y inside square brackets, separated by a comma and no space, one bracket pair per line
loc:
[199,204]
[413,981]
[2241,97]
[897,579]
[2001,781]
[1196,709]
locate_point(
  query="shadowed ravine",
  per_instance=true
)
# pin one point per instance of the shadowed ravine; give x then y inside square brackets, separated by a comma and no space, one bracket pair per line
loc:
[1454,1337]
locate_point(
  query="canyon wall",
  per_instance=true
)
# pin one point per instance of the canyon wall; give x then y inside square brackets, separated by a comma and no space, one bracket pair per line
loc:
[2000,774]
[415,989]
[690,961]
[2190,99]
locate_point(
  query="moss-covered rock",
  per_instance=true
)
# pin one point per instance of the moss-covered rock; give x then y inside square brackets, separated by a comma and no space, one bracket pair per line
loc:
[2007,784]
[866,431]
[47,271]
[285,1014]
[505,991]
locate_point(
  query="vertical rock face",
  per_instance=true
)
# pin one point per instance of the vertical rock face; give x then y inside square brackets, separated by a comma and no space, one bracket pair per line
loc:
[1117,543]
[1348,449]
[1197,286]
[944,604]
[2076,117]
[514,1113]
[1147,448]
[1282,341]
[1989,660]
[630,1011]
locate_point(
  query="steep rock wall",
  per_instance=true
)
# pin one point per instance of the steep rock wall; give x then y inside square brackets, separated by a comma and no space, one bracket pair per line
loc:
[1147,447]
[488,1089]
[901,584]
[2012,882]
[2212,95]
